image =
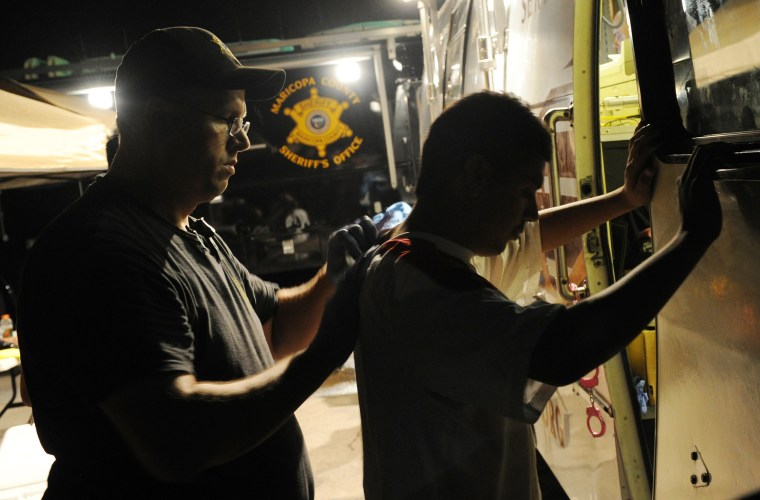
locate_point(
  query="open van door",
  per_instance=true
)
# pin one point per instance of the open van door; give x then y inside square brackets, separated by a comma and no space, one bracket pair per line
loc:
[698,65]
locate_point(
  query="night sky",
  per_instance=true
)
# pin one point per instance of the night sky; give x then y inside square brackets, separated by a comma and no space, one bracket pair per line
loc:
[76,30]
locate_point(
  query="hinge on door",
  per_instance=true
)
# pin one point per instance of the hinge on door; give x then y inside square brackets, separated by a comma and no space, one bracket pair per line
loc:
[586,187]
[485,53]
[701,477]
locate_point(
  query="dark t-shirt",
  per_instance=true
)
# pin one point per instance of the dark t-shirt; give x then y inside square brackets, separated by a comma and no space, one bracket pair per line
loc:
[442,364]
[111,292]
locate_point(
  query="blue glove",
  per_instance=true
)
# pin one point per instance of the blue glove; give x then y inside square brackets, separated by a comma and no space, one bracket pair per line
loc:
[393,216]
[347,244]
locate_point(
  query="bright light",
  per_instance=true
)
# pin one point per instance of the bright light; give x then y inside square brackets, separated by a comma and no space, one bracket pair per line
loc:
[397,64]
[374,106]
[101,99]
[98,97]
[348,71]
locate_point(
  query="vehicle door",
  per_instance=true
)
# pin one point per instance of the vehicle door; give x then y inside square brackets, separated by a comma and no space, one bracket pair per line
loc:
[698,65]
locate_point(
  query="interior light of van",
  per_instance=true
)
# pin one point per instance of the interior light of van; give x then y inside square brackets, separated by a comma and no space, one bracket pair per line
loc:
[348,71]
[397,64]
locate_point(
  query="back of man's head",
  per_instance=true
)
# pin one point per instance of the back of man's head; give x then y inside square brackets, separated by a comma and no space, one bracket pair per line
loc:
[497,126]
[169,60]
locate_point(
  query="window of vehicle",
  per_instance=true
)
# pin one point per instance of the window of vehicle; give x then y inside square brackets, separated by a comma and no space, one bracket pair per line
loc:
[455,53]
[715,49]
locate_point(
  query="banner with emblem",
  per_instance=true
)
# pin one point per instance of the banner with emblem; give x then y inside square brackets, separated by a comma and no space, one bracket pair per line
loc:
[327,118]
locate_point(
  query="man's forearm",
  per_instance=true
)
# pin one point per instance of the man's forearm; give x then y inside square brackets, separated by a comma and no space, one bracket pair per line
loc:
[560,225]
[602,325]
[299,311]
[193,425]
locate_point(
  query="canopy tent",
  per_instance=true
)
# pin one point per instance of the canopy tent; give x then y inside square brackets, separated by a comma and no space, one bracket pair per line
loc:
[47,136]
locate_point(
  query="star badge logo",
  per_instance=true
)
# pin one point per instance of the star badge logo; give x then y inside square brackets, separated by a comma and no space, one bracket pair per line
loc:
[318,122]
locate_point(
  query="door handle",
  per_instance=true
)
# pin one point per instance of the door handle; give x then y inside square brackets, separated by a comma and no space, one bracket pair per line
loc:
[551,119]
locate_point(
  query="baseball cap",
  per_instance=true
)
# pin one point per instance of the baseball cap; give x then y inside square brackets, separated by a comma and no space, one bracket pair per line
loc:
[169,59]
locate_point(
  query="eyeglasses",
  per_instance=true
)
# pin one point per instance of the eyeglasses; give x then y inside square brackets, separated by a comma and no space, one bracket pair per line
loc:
[236,125]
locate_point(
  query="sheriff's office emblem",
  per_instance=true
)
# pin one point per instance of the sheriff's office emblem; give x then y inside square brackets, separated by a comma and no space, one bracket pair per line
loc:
[318,122]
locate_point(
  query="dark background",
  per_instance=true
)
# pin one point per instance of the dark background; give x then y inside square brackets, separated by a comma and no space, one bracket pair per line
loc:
[76,30]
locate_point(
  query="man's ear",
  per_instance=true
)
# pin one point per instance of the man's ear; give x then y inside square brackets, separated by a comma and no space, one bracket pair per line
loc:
[157,115]
[476,175]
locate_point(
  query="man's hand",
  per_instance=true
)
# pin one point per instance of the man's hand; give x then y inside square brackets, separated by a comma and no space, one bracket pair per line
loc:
[639,171]
[700,207]
[347,244]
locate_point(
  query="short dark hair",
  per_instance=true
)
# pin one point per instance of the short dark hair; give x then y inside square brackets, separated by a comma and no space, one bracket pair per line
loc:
[495,125]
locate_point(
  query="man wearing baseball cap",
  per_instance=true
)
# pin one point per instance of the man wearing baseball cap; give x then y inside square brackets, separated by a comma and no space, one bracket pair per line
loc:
[157,365]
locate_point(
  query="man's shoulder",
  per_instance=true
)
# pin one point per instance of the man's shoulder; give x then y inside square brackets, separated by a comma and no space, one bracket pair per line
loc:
[422,257]
[100,217]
